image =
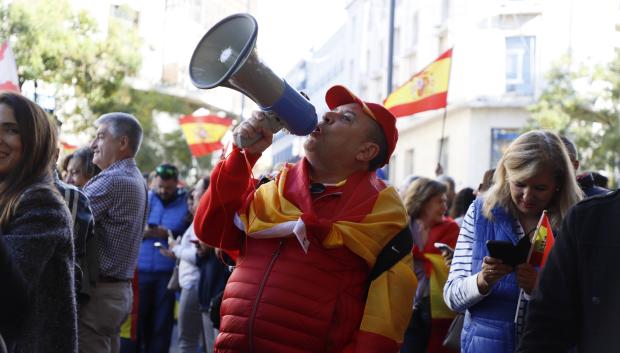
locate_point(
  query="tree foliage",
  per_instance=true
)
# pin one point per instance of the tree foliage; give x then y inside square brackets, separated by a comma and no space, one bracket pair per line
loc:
[57,45]
[584,105]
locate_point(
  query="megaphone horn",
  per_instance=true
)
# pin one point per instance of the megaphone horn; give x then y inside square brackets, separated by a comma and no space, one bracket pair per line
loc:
[226,56]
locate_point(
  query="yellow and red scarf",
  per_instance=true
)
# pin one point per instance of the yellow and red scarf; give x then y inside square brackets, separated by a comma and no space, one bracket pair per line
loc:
[367,217]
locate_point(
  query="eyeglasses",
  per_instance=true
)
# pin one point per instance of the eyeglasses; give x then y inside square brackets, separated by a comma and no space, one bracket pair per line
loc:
[166,171]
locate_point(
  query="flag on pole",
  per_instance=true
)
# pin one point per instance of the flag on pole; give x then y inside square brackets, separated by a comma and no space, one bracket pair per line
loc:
[8,69]
[426,90]
[203,133]
[68,148]
[542,242]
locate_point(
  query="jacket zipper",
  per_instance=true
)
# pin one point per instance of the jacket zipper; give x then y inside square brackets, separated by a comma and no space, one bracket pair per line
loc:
[274,257]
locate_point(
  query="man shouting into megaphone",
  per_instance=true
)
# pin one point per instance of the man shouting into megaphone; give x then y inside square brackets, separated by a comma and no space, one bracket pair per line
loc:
[325,251]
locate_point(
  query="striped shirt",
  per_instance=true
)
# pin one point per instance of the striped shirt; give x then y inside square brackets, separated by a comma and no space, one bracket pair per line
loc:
[118,199]
[81,215]
[461,290]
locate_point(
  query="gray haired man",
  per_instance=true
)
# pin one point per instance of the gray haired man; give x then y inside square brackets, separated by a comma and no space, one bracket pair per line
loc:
[119,203]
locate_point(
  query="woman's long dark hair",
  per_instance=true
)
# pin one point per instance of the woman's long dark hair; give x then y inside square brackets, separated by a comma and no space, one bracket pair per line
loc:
[38,137]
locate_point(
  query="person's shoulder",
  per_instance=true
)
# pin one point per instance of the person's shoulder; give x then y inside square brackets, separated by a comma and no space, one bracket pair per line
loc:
[42,199]
[64,189]
[449,223]
[600,200]
[41,193]
[120,177]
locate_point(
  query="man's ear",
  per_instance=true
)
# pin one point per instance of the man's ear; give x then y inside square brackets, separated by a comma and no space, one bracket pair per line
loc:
[367,151]
[124,143]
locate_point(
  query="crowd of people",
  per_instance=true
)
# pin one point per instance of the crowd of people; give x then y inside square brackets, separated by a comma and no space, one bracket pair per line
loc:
[318,256]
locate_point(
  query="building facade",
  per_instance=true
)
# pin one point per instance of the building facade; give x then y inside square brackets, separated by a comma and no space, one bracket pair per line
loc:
[502,50]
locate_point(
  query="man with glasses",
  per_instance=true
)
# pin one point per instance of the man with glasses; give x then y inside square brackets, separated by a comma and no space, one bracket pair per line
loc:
[167,218]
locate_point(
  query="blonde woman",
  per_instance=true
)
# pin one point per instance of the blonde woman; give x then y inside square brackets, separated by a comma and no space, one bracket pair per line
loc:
[534,174]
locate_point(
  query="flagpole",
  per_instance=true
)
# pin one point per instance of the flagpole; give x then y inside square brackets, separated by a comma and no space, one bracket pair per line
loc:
[445,114]
[441,139]
[390,47]
[196,166]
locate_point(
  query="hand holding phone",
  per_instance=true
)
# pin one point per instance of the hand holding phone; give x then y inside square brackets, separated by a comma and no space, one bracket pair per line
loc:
[510,254]
[446,251]
[444,247]
[492,270]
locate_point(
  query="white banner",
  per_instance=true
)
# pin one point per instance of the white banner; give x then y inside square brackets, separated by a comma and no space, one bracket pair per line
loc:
[8,69]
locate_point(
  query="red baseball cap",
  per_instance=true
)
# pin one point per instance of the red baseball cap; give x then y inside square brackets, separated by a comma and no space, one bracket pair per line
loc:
[339,95]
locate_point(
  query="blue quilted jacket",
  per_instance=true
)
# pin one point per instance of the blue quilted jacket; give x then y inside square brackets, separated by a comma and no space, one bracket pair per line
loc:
[173,216]
[489,325]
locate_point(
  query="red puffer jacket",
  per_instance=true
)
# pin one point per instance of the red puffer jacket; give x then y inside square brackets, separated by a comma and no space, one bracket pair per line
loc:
[259,315]
[282,300]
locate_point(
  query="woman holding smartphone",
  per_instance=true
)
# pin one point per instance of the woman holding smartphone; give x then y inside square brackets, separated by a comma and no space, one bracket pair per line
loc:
[534,174]
[35,226]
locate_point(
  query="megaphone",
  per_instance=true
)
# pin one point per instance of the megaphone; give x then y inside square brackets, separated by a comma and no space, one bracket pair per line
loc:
[225,56]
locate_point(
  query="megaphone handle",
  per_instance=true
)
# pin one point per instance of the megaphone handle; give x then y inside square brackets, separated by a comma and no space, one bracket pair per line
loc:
[271,122]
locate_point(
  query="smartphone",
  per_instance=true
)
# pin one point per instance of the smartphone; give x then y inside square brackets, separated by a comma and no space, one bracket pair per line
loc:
[444,246]
[505,251]
[157,245]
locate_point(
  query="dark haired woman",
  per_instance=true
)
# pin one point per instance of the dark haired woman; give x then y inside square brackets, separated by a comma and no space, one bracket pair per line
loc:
[80,168]
[35,226]
[426,203]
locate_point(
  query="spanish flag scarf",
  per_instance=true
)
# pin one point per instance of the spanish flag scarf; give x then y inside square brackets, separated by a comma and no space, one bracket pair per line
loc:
[367,217]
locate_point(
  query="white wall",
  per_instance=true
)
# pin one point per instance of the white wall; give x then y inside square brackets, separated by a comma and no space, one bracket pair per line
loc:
[469,149]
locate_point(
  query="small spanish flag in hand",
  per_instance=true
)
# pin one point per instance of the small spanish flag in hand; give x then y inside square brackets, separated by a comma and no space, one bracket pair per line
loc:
[542,242]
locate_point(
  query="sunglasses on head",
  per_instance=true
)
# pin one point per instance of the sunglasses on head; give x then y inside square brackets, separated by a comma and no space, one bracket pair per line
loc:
[166,172]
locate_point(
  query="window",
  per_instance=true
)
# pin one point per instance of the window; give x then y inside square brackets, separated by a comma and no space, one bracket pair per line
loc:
[520,65]
[500,140]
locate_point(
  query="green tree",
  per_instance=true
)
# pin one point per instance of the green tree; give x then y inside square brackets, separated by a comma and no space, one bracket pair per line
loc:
[584,104]
[54,44]
[57,45]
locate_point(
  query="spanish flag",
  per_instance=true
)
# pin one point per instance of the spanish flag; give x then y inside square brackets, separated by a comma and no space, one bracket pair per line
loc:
[542,242]
[426,90]
[203,133]
[68,148]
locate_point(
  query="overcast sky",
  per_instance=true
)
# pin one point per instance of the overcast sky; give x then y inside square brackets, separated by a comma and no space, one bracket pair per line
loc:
[287,30]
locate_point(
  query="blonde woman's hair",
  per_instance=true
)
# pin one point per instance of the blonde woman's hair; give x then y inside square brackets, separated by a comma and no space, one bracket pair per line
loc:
[530,153]
[420,191]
